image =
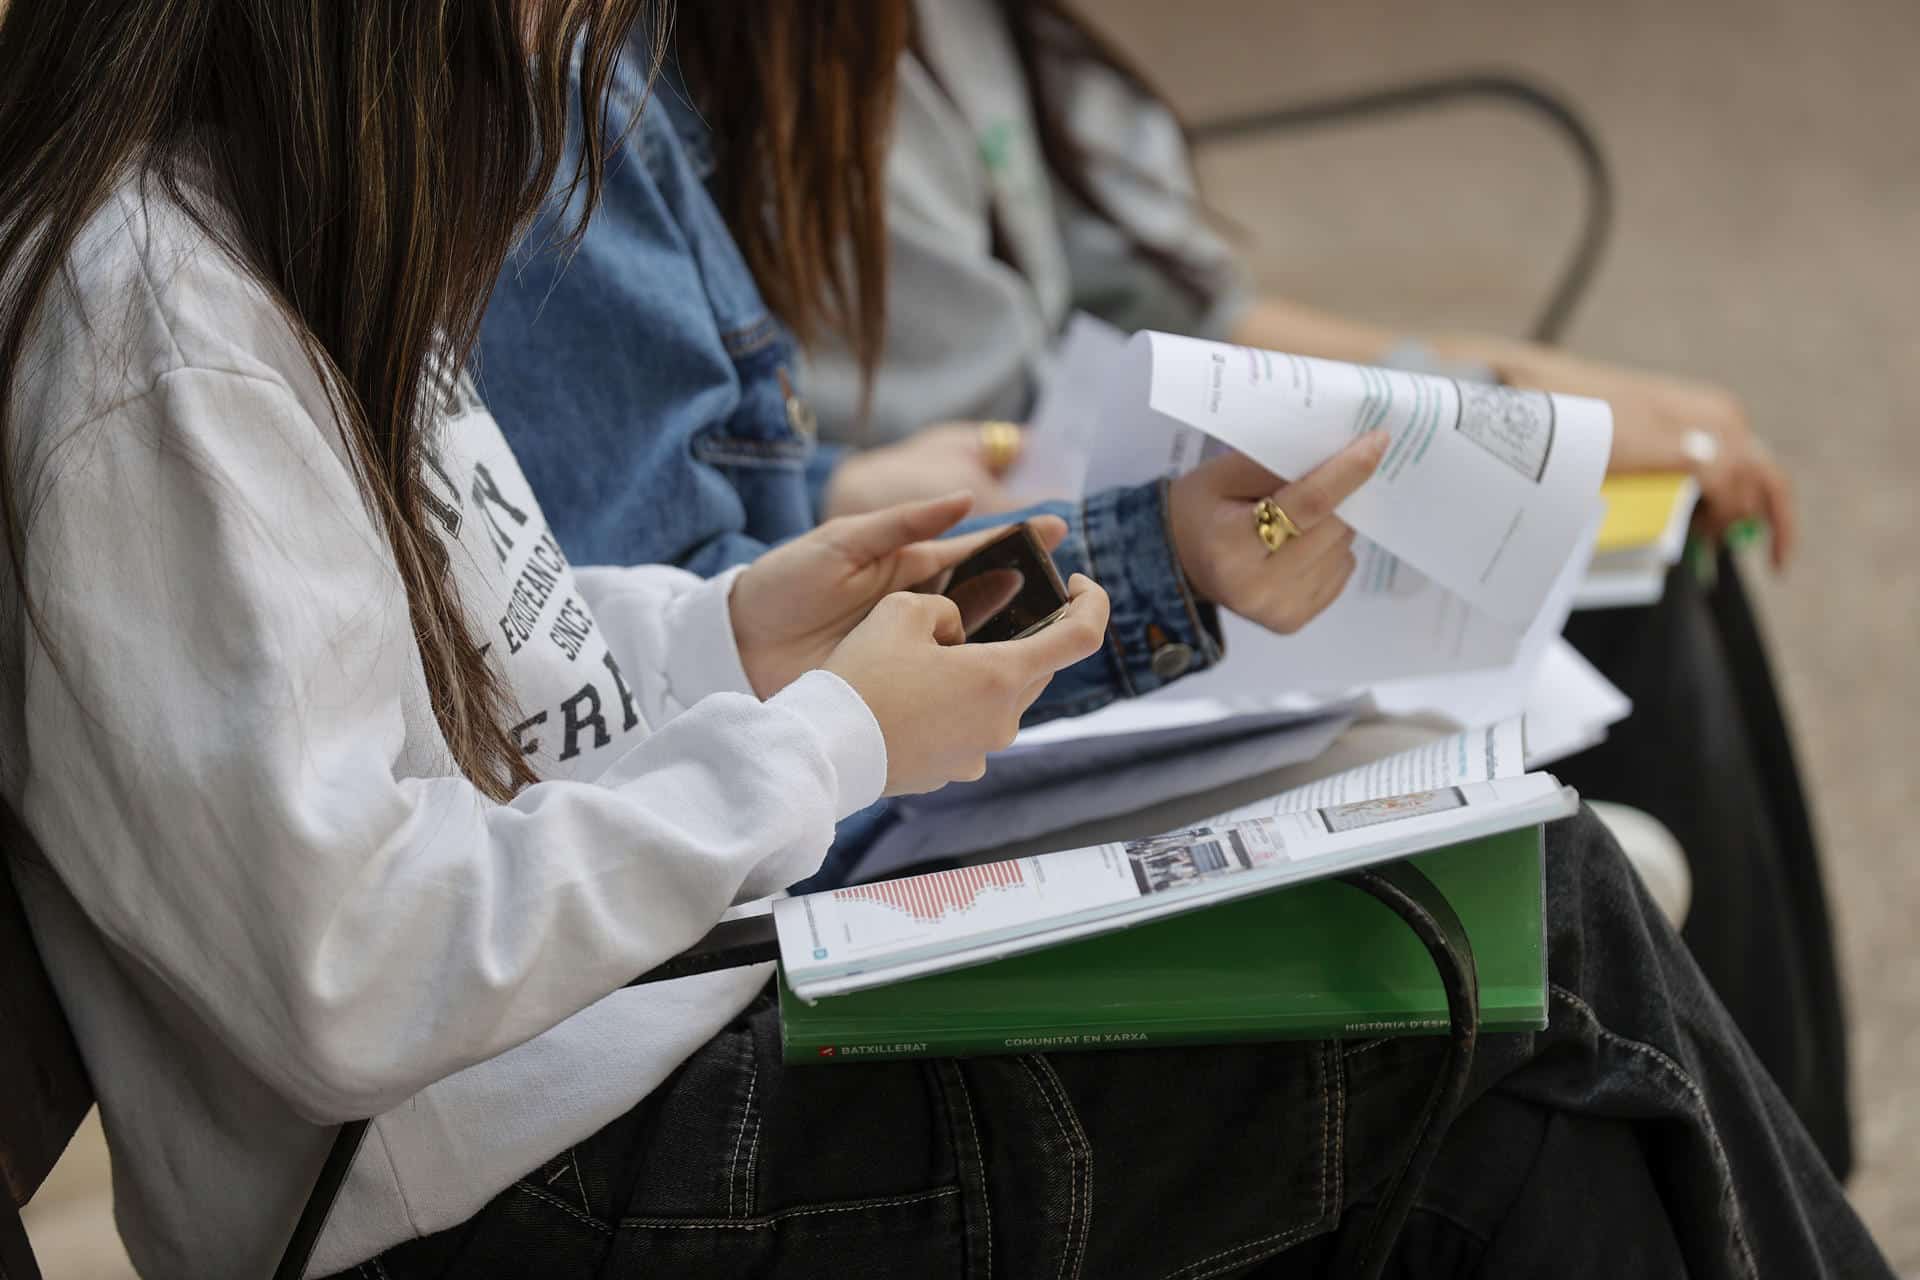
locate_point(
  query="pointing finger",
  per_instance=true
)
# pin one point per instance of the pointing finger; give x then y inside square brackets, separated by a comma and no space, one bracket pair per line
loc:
[925,562]
[877,534]
[1318,494]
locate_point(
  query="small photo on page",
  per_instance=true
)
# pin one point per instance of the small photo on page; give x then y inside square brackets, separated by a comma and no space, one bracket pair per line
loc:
[1189,857]
[1371,813]
[1514,426]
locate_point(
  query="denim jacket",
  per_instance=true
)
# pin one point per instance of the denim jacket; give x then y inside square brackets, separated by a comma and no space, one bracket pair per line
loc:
[650,396]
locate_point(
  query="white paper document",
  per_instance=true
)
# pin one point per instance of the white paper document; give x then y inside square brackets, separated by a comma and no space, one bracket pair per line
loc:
[1486,490]
[1166,720]
[870,935]
[1475,755]
[1030,793]
[1567,705]
[1570,708]
[1065,422]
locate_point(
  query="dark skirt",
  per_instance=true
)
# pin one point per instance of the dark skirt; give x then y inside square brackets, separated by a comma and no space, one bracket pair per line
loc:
[1707,751]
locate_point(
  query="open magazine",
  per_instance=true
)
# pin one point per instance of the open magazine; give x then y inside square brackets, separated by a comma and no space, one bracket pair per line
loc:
[871,935]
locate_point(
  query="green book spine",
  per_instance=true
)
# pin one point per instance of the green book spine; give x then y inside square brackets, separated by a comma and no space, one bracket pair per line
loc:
[1316,961]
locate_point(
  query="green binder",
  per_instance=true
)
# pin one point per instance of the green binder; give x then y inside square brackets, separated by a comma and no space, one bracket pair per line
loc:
[1315,961]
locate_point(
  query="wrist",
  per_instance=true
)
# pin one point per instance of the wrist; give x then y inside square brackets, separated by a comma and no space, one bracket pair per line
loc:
[1160,627]
[757,658]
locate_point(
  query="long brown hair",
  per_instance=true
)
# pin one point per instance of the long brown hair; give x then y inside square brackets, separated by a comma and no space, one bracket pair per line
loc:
[799,97]
[372,164]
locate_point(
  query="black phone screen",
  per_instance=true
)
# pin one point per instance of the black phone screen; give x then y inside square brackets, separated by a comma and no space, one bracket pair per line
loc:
[1007,588]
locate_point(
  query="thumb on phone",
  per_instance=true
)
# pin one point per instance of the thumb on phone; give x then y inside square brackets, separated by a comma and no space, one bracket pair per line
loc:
[1078,633]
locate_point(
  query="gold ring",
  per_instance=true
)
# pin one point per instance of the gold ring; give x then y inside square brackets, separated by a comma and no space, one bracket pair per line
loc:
[1000,444]
[1275,527]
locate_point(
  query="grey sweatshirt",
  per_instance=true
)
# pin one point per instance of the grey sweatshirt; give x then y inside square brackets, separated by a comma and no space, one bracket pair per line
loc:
[969,334]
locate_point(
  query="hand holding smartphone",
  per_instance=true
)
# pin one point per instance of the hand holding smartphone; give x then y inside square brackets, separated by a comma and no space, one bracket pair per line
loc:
[1008,589]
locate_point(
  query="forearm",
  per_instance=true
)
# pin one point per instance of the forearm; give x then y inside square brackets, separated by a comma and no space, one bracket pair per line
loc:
[1644,439]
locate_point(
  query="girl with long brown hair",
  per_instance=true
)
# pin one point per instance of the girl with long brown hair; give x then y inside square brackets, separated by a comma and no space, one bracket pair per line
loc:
[343,794]
[652,386]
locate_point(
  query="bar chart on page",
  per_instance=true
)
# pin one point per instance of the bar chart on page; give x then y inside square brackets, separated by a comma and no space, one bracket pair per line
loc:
[932,897]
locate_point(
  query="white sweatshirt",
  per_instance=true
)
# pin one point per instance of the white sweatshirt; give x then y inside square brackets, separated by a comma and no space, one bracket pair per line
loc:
[268,900]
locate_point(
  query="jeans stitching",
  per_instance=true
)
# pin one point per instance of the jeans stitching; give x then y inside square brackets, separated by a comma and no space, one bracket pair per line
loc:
[748,338]
[1367,1047]
[1086,1146]
[733,1164]
[980,1160]
[1073,1167]
[1333,1142]
[742,454]
[772,1219]
[753,1161]
[1189,1271]
[580,1183]
[1117,650]
[1325,1108]
[1336,1154]
[1679,1073]
[564,1207]
[1332,1123]
[1325,1127]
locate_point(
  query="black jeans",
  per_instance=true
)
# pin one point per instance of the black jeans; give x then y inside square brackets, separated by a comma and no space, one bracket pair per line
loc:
[1708,753]
[1637,1136]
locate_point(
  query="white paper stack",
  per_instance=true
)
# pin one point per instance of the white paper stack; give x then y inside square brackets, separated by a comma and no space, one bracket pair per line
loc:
[1475,537]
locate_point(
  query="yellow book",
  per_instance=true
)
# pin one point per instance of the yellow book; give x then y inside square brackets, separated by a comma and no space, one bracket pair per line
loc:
[1646,511]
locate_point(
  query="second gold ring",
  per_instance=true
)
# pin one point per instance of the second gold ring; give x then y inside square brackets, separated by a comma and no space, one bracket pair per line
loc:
[1275,527]
[1000,445]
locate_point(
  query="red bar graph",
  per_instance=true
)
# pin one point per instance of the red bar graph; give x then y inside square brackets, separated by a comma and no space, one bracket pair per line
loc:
[938,894]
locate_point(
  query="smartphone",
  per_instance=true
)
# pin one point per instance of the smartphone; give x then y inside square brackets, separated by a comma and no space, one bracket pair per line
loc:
[1007,589]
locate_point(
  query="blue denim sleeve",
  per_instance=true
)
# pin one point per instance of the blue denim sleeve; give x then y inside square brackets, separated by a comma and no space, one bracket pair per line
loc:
[1158,632]
[640,393]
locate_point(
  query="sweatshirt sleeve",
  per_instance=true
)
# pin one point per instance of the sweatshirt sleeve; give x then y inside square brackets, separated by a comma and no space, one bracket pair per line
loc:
[218,768]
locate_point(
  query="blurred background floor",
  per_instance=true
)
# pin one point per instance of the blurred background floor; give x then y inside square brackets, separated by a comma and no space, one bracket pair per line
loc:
[1769,166]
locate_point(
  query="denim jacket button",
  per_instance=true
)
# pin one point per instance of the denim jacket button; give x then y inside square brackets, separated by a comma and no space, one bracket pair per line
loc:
[1170,661]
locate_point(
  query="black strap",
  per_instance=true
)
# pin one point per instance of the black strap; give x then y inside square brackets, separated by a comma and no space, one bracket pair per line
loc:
[731,944]
[1418,902]
[1402,888]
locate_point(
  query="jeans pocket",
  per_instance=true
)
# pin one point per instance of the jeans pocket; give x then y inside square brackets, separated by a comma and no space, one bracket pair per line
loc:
[918,1234]
[1174,1163]
[561,1178]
